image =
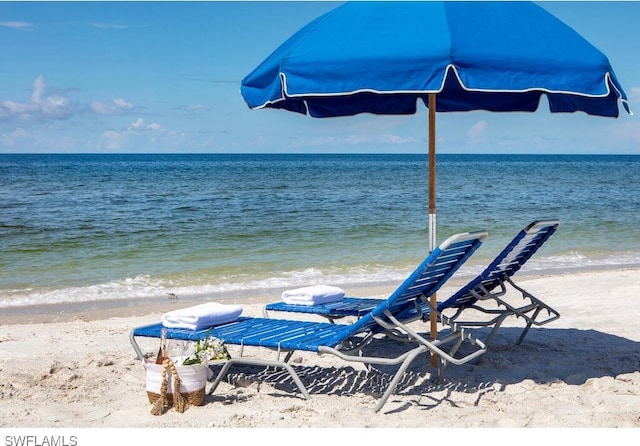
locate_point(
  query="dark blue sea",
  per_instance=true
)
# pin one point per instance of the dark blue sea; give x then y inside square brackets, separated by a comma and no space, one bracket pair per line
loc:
[77,228]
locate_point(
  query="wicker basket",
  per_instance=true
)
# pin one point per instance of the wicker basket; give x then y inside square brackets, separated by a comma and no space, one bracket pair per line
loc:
[193,380]
[195,398]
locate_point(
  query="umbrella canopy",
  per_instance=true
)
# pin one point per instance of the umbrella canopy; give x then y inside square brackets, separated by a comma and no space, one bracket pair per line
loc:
[385,57]
[381,57]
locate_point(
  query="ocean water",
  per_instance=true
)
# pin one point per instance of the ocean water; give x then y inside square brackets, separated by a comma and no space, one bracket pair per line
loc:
[82,228]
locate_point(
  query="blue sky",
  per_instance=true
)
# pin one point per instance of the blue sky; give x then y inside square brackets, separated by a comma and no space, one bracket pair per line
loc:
[164,77]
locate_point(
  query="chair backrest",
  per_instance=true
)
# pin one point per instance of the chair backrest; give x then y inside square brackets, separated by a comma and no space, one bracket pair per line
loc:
[507,263]
[427,278]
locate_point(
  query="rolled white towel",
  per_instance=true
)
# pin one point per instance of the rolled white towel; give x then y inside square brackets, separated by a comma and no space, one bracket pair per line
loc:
[201,316]
[313,295]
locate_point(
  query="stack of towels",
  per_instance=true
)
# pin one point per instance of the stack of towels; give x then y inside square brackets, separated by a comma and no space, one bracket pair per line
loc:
[313,295]
[201,316]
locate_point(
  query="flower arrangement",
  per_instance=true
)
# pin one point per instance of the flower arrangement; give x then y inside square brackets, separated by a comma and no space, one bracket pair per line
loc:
[208,349]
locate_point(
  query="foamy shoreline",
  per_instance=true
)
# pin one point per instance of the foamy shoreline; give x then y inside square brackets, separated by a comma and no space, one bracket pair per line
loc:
[582,370]
[107,308]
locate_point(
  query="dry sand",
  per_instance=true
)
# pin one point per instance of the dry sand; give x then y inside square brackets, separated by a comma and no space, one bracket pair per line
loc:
[581,371]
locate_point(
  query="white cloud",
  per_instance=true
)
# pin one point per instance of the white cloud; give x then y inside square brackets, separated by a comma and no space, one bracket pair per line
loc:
[196,107]
[139,125]
[100,108]
[10,108]
[117,106]
[121,103]
[478,131]
[42,106]
[357,139]
[116,140]
[17,25]
[112,140]
[11,138]
[136,125]
[38,89]
[385,138]
[108,26]
[45,105]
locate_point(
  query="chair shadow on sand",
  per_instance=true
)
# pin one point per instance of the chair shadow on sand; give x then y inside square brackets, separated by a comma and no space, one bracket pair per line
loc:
[547,356]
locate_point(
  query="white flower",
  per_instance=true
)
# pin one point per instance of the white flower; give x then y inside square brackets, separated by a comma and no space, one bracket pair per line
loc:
[208,349]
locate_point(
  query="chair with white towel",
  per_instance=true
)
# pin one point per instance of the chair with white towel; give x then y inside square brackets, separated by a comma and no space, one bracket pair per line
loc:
[346,341]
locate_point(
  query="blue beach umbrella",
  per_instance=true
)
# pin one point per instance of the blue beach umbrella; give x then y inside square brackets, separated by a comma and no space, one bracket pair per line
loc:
[385,57]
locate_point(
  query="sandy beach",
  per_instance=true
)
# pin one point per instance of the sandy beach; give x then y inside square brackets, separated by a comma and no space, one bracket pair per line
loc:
[581,371]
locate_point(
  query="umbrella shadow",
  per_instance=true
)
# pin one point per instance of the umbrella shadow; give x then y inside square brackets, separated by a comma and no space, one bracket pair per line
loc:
[546,356]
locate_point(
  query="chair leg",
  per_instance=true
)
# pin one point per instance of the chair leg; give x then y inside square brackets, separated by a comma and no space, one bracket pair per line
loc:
[135,346]
[225,369]
[495,328]
[399,373]
[529,323]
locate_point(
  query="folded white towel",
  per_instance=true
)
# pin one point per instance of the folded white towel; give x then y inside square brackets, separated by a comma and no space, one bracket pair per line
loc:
[313,295]
[201,316]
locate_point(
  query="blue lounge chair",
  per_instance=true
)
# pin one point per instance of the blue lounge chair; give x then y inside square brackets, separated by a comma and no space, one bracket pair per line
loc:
[481,288]
[347,340]
[490,287]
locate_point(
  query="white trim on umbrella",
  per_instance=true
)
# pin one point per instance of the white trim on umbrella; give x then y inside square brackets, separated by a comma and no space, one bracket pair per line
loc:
[607,81]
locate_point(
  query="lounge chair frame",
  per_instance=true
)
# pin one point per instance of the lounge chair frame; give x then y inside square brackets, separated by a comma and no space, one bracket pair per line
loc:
[528,311]
[457,336]
[490,286]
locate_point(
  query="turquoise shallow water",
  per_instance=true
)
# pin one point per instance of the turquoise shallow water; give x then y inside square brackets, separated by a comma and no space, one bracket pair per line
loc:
[78,228]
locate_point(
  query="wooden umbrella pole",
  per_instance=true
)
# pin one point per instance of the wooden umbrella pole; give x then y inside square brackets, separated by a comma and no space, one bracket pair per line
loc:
[432,210]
